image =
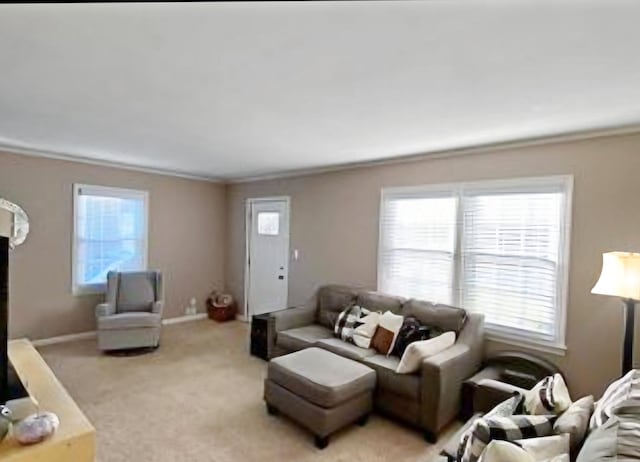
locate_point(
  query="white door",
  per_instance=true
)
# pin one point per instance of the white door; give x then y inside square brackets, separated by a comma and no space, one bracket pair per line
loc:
[268,251]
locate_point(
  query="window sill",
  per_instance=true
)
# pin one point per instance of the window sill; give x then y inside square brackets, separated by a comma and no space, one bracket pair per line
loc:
[557,349]
[99,289]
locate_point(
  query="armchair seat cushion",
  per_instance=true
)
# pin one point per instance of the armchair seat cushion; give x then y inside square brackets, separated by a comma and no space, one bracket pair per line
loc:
[302,337]
[407,385]
[347,350]
[129,321]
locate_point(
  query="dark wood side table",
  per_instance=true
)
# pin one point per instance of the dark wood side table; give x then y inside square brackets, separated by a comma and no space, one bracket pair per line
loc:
[262,331]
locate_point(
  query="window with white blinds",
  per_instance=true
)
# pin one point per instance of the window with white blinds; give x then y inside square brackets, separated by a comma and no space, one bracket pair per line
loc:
[500,248]
[110,234]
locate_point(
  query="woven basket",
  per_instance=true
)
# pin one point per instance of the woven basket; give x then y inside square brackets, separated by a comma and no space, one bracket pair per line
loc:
[221,308]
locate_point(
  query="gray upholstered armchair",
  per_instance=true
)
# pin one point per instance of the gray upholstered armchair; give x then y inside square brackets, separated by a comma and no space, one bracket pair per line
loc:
[132,313]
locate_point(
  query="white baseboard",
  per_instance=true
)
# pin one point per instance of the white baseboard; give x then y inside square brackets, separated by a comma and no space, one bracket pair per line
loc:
[63,338]
[92,334]
[188,318]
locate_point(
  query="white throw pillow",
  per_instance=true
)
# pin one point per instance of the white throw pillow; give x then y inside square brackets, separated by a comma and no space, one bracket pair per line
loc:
[363,334]
[504,451]
[549,396]
[392,322]
[417,351]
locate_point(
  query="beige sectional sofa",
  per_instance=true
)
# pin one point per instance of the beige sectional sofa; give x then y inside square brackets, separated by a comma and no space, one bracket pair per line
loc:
[429,399]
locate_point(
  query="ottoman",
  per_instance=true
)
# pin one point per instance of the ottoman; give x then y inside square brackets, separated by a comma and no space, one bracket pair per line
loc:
[320,390]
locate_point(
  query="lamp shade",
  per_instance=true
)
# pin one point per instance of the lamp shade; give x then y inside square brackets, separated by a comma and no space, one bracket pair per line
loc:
[620,275]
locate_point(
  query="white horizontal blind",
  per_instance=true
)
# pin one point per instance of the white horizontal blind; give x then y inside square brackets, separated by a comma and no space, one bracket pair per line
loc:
[417,245]
[110,234]
[511,249]
[499,248]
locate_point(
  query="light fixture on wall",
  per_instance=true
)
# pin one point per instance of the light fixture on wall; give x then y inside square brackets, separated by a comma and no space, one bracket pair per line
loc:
[621,278]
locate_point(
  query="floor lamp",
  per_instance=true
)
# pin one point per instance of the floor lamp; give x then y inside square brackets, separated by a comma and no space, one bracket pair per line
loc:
[621,278]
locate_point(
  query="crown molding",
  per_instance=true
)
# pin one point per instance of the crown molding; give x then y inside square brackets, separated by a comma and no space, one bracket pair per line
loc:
[36,152]
[463,151]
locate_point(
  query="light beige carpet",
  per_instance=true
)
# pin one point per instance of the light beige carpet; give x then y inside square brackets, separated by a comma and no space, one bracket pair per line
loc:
[199,398]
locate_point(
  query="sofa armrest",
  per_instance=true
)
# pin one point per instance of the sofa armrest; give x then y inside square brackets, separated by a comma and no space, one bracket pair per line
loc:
[157,307]
[442,378]
[293,317]
[105,309]
[489,393]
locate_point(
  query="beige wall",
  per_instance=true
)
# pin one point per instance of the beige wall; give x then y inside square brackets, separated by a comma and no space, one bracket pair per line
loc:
[186,240]
[6,223]
[334,224]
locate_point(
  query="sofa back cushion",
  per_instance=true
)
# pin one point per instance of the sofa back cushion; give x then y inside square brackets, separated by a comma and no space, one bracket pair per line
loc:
[332,299]
[447,318]
[376,301]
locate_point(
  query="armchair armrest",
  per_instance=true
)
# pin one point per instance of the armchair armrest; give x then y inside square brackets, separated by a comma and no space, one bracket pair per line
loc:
[105,309]
[489,393]
[293,317]
[157,307]
[442,378]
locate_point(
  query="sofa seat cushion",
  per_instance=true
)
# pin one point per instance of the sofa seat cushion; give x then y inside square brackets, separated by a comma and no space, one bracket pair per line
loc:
[129,321]
[407,385]
[342,348]
[302,337]
[321,377]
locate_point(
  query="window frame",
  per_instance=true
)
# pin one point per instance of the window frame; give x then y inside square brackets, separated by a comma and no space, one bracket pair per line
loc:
[78,288]
[562,183]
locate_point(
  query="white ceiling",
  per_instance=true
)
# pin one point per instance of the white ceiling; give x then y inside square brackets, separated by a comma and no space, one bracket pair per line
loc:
[230,90]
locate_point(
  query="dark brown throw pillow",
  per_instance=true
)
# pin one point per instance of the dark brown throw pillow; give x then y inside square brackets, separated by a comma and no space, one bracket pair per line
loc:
[382,340]
[411,331]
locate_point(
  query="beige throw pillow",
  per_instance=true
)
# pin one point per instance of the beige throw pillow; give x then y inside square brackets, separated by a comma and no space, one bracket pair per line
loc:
[575,421]
[363,334]
[546,448]
[504,451]
[417,351]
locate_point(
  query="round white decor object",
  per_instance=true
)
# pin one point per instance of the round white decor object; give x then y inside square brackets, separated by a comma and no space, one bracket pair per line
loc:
[36,428]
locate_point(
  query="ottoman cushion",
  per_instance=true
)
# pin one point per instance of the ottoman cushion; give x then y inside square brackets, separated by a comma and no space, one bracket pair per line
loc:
[321,377]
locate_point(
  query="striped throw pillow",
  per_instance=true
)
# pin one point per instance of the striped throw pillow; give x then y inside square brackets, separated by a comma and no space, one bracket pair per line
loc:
[626,388]
[511,428]
[504,409]
[549,396]
[348,320]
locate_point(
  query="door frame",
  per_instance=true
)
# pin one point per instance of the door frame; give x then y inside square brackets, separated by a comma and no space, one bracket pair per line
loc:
[247,246]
